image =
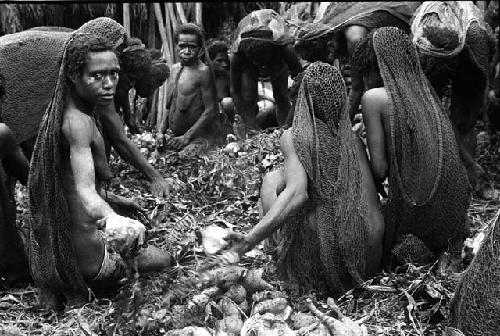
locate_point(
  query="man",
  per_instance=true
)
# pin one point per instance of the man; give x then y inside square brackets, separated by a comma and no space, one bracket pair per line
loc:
[456,47]
[411,142]
[191,101]
[323,201]
[263,48]
[218,53]
[28,92]
[67,249]
[13,261]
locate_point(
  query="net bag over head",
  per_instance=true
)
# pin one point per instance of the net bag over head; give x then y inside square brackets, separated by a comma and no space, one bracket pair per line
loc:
[265,25]
[52,258]
[429,191]
[30,62]
[474,307]
[324,245]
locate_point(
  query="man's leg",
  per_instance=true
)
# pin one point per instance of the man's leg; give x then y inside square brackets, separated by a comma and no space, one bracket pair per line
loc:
[281,97]
[249,95]
[468,88]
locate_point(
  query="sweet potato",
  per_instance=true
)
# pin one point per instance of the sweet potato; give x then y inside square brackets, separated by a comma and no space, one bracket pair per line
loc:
[237,293]
[253,281]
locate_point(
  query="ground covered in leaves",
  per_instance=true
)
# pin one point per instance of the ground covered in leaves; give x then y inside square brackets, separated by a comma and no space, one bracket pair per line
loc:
[222,188]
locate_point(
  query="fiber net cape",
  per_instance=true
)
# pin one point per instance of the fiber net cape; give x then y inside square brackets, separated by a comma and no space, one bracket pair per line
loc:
[429,191]
[52,260]
[464,20]
[474,308]
[264,24]
[29,62]
[324,245]
[343,14]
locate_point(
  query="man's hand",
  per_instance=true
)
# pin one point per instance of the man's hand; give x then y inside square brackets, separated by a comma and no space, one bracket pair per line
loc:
[160,187]
[178,142]
[237,247]
[123,233]
[123,203]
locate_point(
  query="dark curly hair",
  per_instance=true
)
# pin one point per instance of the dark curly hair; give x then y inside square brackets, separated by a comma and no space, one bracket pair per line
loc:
[135,61]
[154,53]
[256,49]
[78,49]
[216,47]
[153,79]
[191,29]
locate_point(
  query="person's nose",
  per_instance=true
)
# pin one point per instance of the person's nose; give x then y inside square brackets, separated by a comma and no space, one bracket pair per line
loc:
[108,83]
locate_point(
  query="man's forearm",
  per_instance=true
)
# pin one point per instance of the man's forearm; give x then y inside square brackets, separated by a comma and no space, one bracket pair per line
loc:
[131,153]
[201,124]
[287,204]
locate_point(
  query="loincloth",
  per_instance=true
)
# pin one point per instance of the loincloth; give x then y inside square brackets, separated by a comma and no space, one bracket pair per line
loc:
[113,268]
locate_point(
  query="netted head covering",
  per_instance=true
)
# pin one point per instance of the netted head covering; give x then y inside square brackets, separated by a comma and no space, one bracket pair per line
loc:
[424,162]
[30,62]
[52,258]
[262,25]
[325,145]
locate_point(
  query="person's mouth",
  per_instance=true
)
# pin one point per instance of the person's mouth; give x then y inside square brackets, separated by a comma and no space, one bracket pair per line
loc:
[107,96]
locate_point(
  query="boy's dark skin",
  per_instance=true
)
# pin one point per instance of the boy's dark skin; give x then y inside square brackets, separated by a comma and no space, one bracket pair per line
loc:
[85,166]
[195,100]
[274,60]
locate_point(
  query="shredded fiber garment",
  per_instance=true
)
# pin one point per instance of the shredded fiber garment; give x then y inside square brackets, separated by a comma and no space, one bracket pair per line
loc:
[51,255]
[325,243]
[429,191]
[474,308]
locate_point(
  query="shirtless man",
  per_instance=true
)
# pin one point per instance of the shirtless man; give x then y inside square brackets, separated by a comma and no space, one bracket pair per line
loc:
[256,58]
[218,53]
[92,70]
[263,48]
[191,101]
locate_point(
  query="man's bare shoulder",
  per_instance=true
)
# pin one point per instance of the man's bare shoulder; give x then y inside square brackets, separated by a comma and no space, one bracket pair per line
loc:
[375,99]
[77,127]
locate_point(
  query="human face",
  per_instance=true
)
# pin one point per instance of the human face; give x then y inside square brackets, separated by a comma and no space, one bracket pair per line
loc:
[221,62]
[188,48]
[99,78]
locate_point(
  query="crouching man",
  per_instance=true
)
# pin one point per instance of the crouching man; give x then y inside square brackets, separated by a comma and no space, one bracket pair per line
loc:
[75,238]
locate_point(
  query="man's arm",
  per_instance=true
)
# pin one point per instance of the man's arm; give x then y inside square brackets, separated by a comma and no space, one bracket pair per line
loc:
[289,201]
[79,132]
[115,134]
[208,116]
[373,103]
[292,60]
[13,159]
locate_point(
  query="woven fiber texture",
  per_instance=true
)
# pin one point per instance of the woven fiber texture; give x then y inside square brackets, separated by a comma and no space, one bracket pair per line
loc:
[429,190]
[474,308]
[333,225]
[52,260]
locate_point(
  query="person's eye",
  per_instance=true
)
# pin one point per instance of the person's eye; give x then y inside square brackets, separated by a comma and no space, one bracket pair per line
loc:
[114,74]
[96,76]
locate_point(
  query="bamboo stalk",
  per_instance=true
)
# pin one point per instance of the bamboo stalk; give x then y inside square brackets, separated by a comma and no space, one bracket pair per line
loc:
[180,12]
[173,18]
[170,33]
[126,18]
[198,13]
[163,34]
[151,26]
